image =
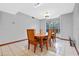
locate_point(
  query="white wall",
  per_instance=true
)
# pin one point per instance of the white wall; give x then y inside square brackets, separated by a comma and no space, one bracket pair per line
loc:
[66,25]
[76,24]
[12,27]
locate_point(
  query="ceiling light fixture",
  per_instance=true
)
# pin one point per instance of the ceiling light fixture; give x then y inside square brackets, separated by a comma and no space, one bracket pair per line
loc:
[36,5]
[47,15]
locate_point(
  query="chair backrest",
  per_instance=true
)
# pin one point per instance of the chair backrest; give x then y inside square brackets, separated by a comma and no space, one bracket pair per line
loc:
[54,30]
[53,35]
[30,35]
[49,34]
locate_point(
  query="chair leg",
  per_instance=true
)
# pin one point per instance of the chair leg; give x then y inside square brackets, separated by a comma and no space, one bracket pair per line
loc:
[35,48]
[41,45]
[50,43]
[54,40]
[47,45]
[28,45]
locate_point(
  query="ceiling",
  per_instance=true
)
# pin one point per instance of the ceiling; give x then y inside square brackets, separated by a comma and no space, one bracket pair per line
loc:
[38,11]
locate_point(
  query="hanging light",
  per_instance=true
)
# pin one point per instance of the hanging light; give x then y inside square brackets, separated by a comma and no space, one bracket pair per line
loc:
[47,15]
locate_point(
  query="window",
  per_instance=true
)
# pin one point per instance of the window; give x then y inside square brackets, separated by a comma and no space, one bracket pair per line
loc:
[53,24]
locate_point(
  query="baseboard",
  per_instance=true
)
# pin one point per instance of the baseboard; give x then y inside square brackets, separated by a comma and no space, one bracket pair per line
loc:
[63,39]
[12,42]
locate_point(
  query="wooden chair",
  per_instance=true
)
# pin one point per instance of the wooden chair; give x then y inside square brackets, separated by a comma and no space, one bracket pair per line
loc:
[31,39]
[48,38]
[53,35]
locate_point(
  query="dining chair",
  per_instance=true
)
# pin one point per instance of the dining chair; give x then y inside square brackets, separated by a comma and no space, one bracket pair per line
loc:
[47,39]
[31,39]
[49,36]
[53,35]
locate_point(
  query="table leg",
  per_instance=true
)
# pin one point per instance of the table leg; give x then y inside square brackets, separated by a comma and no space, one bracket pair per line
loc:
[41,44]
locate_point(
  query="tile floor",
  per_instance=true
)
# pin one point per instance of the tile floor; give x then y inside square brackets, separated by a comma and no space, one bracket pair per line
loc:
[62,48]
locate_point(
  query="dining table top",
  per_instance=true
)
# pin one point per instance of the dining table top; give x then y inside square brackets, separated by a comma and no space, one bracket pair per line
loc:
[42,34]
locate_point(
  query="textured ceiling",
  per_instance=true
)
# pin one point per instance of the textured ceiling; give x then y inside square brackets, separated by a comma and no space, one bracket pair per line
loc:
[52,9]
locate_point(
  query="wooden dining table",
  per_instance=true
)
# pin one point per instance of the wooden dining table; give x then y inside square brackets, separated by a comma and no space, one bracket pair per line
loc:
[40,37]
